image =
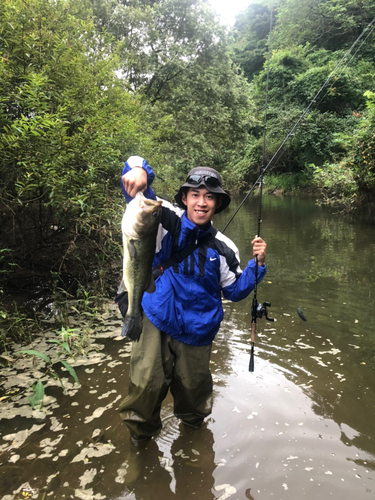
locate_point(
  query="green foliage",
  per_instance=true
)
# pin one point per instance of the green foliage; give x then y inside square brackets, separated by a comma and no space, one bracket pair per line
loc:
[63,351]
[73,341]
[15,324]
[336,183]
[361,157]
[250,34]
[40,355]
[84,84]
[38,396]
[322,23]
[65,121]
[308,41]
[288,182]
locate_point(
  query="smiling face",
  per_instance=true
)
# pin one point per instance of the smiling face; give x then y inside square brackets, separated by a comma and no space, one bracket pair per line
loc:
[200,205]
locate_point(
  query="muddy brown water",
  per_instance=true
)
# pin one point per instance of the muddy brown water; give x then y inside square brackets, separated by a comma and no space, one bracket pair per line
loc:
[301,426]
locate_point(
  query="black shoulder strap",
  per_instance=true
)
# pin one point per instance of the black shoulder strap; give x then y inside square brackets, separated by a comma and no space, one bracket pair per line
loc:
[178,257]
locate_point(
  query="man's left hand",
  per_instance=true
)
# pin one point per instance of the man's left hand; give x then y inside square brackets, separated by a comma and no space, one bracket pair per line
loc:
[259,249]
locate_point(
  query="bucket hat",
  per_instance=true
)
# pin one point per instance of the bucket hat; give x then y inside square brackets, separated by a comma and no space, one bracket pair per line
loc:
[208,178]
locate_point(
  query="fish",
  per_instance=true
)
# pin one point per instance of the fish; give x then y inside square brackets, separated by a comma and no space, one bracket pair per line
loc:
[139,227]
[300,314]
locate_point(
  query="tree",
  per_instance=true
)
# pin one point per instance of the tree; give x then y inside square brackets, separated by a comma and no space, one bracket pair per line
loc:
[250,33]
[66,120]
[176,56]
[323,24]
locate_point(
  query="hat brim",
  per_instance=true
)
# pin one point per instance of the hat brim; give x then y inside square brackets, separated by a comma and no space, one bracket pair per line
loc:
[225,198]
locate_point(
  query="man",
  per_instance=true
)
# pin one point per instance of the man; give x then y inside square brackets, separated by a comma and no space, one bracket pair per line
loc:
[183,315]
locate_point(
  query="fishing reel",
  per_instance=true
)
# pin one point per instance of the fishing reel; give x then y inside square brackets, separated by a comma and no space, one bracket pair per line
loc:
[261,310]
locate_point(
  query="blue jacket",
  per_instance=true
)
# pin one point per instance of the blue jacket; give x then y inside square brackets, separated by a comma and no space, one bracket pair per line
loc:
[187,301]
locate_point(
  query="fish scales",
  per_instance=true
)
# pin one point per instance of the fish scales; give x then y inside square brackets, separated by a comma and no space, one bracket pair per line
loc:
[139,229]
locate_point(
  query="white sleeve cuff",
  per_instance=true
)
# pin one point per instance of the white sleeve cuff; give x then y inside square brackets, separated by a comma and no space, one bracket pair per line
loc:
[135,161]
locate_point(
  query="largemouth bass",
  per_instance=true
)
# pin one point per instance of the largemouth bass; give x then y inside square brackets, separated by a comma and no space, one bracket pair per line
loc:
[139,229]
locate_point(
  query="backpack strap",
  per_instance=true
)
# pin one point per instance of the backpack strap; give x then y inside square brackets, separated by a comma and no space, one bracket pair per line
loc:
[178,257]
[121,298]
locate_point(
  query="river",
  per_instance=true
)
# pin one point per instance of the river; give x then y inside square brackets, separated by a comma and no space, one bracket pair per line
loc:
[300,426]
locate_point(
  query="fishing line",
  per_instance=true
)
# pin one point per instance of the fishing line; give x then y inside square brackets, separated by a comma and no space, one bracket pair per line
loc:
[291,133]
[351,58]
[259,310]
[255,311]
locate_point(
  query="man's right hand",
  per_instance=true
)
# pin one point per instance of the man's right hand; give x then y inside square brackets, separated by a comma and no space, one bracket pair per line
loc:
[134,181]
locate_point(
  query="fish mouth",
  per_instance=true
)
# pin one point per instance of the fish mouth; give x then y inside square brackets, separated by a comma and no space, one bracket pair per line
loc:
[146,203]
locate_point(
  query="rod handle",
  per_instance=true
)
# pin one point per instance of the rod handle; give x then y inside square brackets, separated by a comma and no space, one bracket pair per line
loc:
[253,328]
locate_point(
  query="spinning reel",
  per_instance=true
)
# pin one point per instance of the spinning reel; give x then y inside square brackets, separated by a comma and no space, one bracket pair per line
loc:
[261,310]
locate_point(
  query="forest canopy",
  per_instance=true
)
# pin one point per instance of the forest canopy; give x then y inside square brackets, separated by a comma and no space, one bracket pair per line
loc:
[84,84]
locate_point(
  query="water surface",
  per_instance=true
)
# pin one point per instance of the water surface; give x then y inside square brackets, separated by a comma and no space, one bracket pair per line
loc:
[300,426]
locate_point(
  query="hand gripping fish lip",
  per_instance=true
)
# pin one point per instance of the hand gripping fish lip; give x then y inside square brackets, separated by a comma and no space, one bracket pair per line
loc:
[136,220]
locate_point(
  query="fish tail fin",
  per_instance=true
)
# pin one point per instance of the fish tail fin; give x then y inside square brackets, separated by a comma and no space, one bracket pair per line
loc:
[132,327]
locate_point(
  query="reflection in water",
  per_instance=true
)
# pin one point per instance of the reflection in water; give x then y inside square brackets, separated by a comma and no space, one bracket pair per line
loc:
[187,471]
[300,426]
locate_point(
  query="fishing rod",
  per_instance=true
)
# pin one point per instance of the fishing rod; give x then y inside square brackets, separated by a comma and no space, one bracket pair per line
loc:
[259,310]
[291,133]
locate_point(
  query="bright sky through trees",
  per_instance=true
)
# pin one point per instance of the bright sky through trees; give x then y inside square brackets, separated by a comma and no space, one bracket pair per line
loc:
[228,9]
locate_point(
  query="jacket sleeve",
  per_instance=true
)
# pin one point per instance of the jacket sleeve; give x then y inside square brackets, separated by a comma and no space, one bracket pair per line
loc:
[134,161]
[244,284]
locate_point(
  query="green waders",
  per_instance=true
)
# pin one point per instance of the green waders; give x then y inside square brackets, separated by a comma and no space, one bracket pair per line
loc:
[158,363]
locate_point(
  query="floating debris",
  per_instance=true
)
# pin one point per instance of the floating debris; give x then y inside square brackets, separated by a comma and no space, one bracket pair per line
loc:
[301,315]
[99,411]
[87,477]
[93,450]
[334,352]
[221,462]
[121,473]
[88,495]
[228,491]
[18,438]
[319,360]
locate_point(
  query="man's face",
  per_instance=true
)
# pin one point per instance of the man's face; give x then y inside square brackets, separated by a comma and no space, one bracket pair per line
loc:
[200,205]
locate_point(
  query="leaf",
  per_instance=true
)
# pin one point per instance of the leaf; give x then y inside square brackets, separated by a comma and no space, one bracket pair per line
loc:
[32,403]
[66,347]
[70,369]
[37,399]
[36,353]
[39,392]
